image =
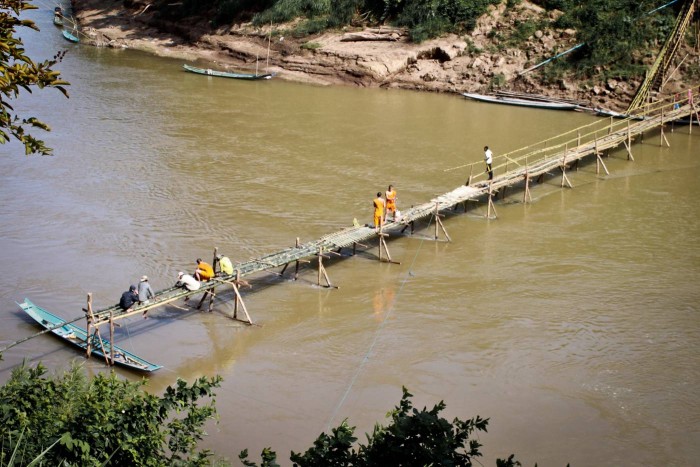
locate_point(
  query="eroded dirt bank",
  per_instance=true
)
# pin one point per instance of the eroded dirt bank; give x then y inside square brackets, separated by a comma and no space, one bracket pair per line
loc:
[371,57]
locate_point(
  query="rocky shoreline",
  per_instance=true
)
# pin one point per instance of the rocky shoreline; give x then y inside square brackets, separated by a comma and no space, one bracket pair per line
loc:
[366,57]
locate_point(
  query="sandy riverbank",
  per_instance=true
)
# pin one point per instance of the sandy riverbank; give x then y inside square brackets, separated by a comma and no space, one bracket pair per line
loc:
[370,57]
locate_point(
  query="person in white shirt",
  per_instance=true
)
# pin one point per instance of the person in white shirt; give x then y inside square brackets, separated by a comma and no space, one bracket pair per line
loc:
[188,282]
[488,158]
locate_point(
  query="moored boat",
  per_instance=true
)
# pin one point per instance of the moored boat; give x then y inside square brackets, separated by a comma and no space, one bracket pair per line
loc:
[226,74]
[520,102]
[78,336]
[69,36]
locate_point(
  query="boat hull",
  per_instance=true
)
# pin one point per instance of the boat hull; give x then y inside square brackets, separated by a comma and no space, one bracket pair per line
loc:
[79,337]
[520,102]
[70,36]
[226,74]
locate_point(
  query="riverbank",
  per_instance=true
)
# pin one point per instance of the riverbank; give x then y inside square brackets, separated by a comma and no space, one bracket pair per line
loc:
[367,57]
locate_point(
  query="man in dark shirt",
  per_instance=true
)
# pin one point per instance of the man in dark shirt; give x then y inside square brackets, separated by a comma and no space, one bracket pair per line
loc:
[129,299]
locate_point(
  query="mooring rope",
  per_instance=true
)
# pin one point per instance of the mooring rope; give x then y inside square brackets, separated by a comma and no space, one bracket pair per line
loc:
[409,274]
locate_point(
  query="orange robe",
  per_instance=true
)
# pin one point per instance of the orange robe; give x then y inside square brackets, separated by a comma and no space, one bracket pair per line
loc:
[391,201]
[378,211]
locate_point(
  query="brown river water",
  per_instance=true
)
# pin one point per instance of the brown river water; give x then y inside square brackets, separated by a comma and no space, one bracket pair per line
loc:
[572,322]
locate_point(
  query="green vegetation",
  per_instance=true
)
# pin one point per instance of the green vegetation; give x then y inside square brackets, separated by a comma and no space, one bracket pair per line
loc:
[423,19]
[17,72]
[617,34]
[101,420]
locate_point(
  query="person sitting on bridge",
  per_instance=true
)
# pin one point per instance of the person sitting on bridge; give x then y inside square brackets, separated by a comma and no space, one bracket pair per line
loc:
[379,206]
[225,265]
[187,282]
[204,271]
[129,299]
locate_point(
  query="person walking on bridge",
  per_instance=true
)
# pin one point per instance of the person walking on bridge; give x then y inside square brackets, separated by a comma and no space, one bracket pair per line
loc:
[488,159]
[379,207]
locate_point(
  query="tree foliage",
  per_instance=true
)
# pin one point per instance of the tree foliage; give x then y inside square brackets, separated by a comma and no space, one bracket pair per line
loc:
[19,72]
[102,420]
[413,437]
[616,33]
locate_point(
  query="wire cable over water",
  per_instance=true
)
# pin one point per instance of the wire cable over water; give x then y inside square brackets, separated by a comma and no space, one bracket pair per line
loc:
[409,274]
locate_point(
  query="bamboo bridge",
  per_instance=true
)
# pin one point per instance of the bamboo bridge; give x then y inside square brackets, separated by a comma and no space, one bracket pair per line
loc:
[515,169]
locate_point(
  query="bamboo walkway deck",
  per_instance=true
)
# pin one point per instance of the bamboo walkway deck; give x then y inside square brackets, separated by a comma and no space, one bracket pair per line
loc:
[556,154]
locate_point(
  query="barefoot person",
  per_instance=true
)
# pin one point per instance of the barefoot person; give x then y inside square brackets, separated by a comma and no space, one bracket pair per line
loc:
[379,206]
[391,202]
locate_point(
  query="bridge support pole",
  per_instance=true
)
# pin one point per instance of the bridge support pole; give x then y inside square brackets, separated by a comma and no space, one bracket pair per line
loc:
[628,143]
[438,223]
[564,178]
[88,325]
[96,333]
[383,247]
[322,270]
[491,206]
[111,337]
[526,193]
[239,300]
[662,138]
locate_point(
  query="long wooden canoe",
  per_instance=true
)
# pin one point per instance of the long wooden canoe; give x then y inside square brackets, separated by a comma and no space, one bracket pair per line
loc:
[520,102]
[226,74]
[67,34]
[78,337]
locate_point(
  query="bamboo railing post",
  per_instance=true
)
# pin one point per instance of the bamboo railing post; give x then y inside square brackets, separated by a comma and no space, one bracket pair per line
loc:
[471,173]
[111,336]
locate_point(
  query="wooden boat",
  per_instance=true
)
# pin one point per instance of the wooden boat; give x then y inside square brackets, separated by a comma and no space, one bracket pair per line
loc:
[226,74]
[67,34]
[521,102]
[77,336]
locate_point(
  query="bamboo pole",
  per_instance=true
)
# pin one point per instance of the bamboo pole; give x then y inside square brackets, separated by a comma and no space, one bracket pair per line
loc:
[111,336]
[88,315]
[238,295]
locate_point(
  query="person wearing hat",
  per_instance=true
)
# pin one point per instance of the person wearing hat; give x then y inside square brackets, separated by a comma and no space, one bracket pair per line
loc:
[187,281]
[225,265]
[129,299]
[145,291]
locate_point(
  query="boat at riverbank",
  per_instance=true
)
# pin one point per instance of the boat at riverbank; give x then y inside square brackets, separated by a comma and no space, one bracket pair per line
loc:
[69,36]
[79,337]
[226,74]
[520,102]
